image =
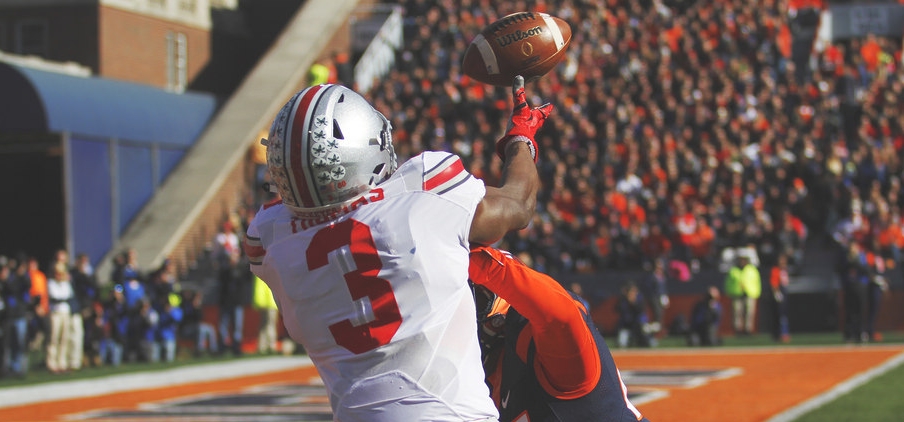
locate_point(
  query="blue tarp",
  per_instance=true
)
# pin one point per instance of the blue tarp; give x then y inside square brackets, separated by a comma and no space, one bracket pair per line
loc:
[123,140]
[38,100]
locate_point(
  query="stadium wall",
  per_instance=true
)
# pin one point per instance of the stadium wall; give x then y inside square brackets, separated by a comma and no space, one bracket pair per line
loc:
[810,310]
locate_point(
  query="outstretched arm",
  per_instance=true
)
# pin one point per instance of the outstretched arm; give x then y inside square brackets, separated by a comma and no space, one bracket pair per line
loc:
[511,205]
[567,362]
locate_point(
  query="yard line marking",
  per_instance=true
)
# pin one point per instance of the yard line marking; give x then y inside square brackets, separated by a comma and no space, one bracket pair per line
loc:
[63,390]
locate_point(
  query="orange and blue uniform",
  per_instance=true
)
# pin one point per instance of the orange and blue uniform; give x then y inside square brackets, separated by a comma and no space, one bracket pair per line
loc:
[553,364]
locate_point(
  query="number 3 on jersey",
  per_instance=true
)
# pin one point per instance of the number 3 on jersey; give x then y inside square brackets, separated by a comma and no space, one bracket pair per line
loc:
[362,282]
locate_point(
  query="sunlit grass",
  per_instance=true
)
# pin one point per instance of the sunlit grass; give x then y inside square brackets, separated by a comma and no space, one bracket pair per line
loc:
[879,400]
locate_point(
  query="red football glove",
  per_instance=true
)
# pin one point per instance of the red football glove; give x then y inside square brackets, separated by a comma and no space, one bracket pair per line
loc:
[525,121]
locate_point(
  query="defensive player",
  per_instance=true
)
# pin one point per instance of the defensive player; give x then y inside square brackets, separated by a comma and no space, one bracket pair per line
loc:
[369,263]
[545,361]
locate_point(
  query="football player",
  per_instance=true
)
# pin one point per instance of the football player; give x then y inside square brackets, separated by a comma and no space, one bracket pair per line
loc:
[369,263]
[544,358]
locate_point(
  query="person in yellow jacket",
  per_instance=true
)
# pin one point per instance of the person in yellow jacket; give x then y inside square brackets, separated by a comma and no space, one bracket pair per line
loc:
[319,73]
[265,304]
[743,286]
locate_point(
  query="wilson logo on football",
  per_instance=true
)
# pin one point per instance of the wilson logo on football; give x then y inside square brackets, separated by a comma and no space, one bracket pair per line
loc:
[518,36]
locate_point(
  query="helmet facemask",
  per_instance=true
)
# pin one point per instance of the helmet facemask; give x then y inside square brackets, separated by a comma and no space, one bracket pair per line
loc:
[491,312]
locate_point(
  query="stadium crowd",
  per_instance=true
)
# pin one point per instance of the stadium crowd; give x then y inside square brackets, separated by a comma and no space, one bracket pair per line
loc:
[681,129]
[60,314]
[685,132]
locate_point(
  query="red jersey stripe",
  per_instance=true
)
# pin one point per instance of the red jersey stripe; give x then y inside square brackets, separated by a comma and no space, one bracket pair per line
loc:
[443,175]
[254,249]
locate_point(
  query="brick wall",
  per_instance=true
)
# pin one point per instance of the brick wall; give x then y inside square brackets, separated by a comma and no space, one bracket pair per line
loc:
[133,47]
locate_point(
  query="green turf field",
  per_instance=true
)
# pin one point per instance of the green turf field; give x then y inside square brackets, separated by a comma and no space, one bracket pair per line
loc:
[879,400]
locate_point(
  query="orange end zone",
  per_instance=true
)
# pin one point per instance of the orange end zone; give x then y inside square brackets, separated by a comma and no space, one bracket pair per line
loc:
[738,385]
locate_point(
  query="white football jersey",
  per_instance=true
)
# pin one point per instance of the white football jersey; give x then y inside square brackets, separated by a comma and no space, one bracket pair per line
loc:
[378,296]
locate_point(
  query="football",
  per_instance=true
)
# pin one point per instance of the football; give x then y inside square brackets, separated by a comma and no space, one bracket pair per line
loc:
[524,43]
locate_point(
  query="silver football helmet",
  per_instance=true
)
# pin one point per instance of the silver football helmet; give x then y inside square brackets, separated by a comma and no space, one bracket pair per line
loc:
[326,147]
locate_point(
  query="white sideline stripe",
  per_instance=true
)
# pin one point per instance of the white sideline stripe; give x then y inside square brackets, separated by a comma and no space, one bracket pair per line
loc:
[839,390]
[63,390]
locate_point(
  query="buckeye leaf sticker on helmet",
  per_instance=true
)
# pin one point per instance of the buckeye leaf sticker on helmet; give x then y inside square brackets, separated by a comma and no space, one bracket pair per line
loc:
[327,146]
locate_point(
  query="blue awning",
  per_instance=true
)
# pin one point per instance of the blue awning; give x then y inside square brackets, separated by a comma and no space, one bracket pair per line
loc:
[43,101]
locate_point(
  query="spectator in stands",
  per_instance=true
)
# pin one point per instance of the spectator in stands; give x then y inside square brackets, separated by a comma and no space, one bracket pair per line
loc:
[193,326]
[5,329]
[136,346]
[344,68]
[115,320]
[226,243]
[234,293]
[39,329]
[61,260]
[118,265]
[16,302]
[874,290]
[633,328]
[126,268]
[655,246]
[76,335]
[701,244]
[320,72]
[146,324]
[163,284]
[706,315]
[167,330]
[779,279]
[790,238]
[855,274]
[870,51]
[60,294]
[132,280]
[85,286]
[743,285]
[877,288]
[95,335]
[655,289]
[600,247]
[890,235]
[265,305]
